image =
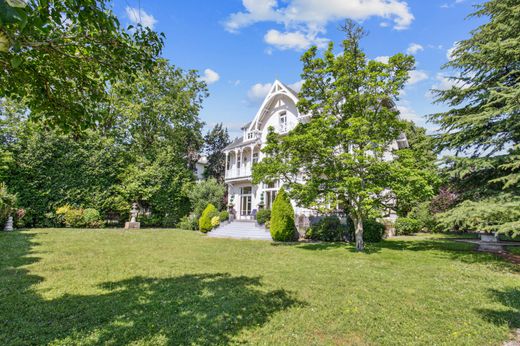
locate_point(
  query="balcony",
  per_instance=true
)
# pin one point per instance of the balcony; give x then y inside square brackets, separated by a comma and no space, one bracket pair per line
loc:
[242,173]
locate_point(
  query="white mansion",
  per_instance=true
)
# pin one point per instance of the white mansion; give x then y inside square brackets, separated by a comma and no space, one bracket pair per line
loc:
[279,111]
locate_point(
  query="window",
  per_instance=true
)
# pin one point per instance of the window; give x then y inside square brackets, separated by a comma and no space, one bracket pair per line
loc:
[283,122]
[269,199]
[228,163]
[238,161]
[245,190]
[255,157]
[249,135]
[272,185]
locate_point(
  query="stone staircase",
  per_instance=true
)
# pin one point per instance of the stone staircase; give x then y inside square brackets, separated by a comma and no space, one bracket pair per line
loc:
[240,230]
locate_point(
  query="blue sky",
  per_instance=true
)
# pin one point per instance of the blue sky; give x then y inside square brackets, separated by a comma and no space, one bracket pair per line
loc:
[240,46]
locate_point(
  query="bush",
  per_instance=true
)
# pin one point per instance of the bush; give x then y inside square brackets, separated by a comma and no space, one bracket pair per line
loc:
[267,224]
[215,221]
[205,219]
[263,215]
[205,192]
[92,218]
[407,226]
[188,222]
[424,215]
[282,225]
[7,203]
[373,230]
[77,217]
[224,215]
[328,228]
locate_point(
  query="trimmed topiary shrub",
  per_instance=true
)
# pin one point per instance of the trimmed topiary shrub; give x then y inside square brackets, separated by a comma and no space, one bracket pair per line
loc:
[215,221]
[328,228]
[205,219]
[282,225]
[373,230]
[407,225]
[263,215]
[224,215]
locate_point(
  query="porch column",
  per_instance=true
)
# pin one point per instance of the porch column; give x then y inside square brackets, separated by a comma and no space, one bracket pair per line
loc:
[241,162]
[226,165]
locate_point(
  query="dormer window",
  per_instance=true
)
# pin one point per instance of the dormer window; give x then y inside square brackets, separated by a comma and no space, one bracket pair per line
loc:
[283,122]
[249,135]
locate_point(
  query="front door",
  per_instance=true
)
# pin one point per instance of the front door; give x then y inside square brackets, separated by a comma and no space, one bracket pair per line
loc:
[245,202]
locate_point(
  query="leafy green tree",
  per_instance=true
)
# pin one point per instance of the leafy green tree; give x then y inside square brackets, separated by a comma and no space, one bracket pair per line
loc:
[339,158]
[282,218]
[203,192]
[214,143]
[481,125]
[418,161]
[61,56]
[484,111]
[142,153]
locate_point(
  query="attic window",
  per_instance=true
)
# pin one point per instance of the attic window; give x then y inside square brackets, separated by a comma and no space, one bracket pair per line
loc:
[283,122]
[249,135]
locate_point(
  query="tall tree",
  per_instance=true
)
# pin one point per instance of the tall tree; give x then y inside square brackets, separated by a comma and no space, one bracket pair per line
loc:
[339,157]
[484,99]
[214,143]
[141,154]
[62,56]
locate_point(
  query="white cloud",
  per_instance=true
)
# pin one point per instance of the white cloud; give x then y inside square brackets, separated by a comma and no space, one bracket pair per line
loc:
[445,83]
[406,112]
[258,92]
[296,40]
[304,20]
[297,86]
[449,52]
[139,16]
[210,76]
[383,59]
[417,76]
[414,48]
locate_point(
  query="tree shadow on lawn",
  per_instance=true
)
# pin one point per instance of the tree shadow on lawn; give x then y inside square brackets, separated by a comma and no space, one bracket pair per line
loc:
[464,252]
[510,315]
[189,309]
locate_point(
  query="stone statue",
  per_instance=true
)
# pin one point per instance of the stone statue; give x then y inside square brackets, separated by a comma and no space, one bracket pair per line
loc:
[133,224]
[133,212]
[9,224]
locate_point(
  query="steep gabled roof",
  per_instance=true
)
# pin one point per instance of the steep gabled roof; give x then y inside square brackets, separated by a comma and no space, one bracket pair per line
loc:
[277,89]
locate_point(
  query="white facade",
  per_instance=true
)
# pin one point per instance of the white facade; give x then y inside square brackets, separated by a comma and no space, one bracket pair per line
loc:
[279,111]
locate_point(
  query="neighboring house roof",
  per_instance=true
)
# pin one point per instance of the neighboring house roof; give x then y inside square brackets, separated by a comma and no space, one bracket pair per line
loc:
[245,126]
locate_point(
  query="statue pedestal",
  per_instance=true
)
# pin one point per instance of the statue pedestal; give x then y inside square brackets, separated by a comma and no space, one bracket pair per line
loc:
[132,225]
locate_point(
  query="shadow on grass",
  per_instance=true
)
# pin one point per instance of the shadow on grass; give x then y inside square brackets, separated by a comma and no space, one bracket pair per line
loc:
[444,247]
[201,309]
[510,313]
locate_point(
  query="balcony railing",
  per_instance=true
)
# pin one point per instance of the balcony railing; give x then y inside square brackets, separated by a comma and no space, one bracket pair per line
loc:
[234,172]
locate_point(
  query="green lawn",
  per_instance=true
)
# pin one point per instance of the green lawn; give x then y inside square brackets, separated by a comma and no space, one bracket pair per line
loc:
[87,287]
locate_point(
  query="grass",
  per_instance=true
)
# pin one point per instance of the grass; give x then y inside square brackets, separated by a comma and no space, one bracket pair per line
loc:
[515,250]
[154,287]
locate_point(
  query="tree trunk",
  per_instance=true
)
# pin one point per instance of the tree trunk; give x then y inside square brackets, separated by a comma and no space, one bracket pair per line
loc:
[358,224]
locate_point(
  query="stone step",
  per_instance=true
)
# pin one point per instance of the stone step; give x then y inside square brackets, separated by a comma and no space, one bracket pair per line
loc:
[240,230]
